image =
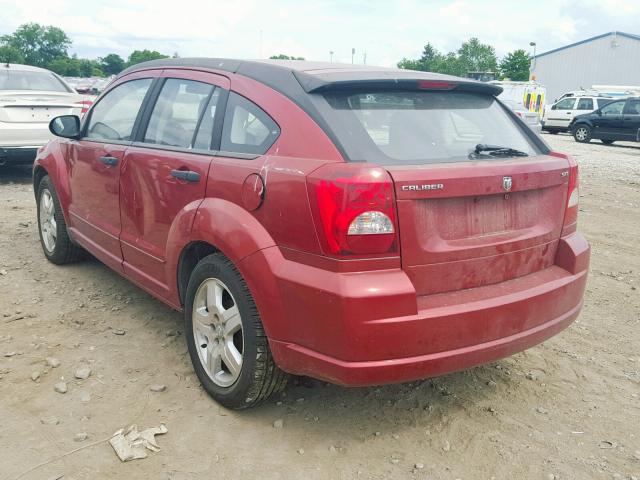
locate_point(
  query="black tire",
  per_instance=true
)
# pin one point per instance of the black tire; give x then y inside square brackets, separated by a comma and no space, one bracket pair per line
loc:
[64,250]
[607,142]
[259,377]
[582,133]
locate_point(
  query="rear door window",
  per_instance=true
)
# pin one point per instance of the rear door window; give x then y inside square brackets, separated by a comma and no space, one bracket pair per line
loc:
[585,104]
[632,107]
[420,127]
[113,117]
[177,112]
[614,108]
[247,128]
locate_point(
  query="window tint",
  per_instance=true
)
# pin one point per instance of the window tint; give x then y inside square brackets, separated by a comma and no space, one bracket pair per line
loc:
[566,104]
[247,128]
[175,115]
[585,104]
[409,128]
[205,132]
[614,108]
[632,107]
[112,118]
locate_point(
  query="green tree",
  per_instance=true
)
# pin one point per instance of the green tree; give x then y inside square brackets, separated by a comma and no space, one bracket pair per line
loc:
[112,64]
[430,61]
[475,56]
[65,66]
[39,45]
[9,54]
[139,56]
[515,66]
[281,56]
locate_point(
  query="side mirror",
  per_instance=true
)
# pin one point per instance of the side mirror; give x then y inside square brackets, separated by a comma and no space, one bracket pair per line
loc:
[599,113]
[65,126]
[553,107]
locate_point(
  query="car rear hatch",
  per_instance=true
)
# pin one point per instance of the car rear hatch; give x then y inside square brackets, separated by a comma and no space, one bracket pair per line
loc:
[36,107]
[470,224]
[468,213]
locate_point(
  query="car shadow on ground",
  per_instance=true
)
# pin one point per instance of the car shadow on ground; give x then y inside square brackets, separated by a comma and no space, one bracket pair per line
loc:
[357,412]
[17,174]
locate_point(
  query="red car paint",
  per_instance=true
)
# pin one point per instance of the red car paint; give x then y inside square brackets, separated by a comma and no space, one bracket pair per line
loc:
[471,274]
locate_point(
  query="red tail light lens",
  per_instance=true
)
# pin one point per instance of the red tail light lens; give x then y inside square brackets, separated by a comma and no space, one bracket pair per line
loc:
[85,105]
[354,210]
[573,194]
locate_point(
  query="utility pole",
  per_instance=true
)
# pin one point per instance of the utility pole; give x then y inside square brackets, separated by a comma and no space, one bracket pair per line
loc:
[364,58]
[331,56]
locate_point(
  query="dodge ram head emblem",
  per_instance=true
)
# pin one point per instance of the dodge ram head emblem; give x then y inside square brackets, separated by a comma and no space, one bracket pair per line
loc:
[507,183]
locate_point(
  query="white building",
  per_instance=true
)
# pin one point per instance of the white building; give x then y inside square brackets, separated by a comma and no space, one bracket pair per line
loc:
[609,59]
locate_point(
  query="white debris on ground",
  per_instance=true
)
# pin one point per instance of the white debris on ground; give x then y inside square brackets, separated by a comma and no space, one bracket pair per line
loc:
[130,444]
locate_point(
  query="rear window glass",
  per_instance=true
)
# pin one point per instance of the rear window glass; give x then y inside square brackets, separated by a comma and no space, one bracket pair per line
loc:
[31,80]
[421,127]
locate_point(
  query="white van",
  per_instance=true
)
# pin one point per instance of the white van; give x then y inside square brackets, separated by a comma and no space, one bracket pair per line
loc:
[526,99]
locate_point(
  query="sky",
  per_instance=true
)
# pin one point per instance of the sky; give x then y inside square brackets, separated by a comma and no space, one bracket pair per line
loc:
[386,31]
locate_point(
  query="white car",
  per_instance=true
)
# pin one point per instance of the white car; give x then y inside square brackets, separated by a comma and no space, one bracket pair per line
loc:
[29,98]
[558,116]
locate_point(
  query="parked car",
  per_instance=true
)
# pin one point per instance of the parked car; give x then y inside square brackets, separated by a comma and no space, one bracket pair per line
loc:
[558,116]
[358,225]
[618,120]
[29,98]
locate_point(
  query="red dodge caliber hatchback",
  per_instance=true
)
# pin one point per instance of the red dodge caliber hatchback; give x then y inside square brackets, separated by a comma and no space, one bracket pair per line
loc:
[357,225]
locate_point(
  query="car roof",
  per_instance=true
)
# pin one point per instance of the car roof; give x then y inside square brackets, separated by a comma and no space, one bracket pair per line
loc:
[312,76]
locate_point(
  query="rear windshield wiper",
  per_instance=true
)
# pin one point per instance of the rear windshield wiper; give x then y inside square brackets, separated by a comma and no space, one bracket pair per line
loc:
[497,150]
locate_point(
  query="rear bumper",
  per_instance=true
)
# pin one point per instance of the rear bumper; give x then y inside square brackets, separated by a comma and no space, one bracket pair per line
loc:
[369,328]
[17,155]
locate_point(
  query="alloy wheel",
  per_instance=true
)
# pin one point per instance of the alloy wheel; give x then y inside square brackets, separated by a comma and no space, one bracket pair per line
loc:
[217,331]
[48,225]
[582,133]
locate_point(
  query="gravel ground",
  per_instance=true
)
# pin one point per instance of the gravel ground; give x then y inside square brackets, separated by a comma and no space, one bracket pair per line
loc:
[567,409]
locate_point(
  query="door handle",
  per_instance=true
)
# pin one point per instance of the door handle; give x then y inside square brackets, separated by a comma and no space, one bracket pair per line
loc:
[186,175]
[111,161]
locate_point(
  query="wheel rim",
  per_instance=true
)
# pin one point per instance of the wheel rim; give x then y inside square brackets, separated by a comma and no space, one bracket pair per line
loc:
[48,225]
[217,332]
[581,133]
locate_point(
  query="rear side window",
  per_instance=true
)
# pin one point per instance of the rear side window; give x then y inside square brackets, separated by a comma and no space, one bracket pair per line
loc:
[247,128]
[113,117]
[177,112]
[585,104]
[420,127]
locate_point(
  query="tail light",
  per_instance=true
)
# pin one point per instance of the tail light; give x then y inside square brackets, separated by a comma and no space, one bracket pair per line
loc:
[573,194]
[354,210]
[85,105]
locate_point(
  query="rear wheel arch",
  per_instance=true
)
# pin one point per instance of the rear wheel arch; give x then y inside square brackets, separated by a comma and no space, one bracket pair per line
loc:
[189,257]
[39,172]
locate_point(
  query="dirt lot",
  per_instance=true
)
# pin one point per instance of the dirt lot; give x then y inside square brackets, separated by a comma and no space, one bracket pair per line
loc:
[567,409]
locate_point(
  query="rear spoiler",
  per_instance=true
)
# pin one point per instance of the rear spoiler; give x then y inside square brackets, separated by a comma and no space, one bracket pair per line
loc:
[335,81]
